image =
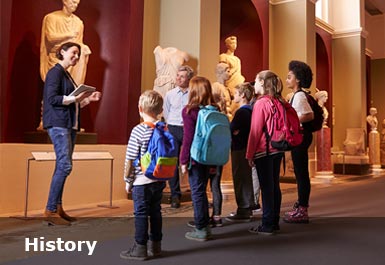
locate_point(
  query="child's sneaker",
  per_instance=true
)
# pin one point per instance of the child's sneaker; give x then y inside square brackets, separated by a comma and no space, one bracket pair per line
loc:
[203,234]
[154,248]
[293,210]
[299,217]
[238,218]
[136,252]
[216,222]
[261,230]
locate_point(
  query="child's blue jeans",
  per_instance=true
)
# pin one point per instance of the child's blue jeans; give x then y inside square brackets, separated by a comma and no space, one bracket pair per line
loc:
[147,199]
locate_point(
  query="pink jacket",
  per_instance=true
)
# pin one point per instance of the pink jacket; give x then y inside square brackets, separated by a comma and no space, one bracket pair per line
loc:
[262,117]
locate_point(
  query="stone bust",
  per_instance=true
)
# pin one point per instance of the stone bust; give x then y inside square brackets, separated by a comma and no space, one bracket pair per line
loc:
[322,96]
[372,119]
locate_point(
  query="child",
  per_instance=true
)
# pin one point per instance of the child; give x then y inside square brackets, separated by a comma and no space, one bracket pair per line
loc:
[215,174]
[300,77]
[242,175]
[200,94]
[269,85]
[146,193]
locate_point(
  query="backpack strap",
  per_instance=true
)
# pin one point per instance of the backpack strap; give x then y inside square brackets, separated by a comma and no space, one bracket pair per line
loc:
[267,135]
[152,126]
[247,106]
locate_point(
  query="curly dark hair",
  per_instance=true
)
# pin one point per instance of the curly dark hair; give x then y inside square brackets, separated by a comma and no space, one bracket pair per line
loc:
[302,72]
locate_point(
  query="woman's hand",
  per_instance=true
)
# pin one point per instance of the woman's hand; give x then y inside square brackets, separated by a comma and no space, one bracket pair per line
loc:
[95,96]
[251,162]
[82,96]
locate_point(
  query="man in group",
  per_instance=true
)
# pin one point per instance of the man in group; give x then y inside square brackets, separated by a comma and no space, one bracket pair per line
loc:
[174,101]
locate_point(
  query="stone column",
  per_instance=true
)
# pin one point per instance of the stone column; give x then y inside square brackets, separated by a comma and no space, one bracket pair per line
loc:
[323,151]
[374,150]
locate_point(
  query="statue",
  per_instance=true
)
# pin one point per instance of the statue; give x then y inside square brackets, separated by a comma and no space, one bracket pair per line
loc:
[372,119]
[321,97]
[59,27]
[220,92]
[233,62]
[167,61]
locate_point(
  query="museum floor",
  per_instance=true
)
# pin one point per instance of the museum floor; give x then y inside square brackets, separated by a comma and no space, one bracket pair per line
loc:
[347,227]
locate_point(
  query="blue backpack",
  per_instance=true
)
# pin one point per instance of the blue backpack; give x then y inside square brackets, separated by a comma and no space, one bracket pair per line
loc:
[212,138]
[161,158]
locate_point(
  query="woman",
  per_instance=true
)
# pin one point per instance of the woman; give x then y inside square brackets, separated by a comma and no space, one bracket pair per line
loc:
[200,94]
[267,164]
[61,120]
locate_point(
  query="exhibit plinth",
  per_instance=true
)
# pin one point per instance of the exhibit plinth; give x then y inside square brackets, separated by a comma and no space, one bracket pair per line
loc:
[323,151]
[374,150]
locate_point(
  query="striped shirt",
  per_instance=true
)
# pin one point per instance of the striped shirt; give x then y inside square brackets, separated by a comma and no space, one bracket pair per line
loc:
[136,148]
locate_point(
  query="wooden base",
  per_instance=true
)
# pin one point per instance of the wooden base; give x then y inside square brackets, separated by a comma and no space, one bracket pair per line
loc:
[352,169]
[42,137]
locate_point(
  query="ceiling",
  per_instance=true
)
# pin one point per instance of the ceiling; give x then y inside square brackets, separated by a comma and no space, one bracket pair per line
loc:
[375,7]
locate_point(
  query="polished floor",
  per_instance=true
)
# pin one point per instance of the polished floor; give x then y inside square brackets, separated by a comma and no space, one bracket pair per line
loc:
[347,227]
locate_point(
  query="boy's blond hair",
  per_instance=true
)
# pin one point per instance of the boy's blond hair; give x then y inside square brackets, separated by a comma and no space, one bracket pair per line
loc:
[246,89]
[151,102]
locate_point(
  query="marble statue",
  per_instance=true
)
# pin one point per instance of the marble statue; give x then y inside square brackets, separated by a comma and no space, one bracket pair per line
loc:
[233,62]
[321,97]
[220,92]
[354,143]
[59,27]
[167,61]
[372,119]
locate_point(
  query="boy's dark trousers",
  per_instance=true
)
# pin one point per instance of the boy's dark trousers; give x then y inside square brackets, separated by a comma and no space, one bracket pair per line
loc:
[147,199]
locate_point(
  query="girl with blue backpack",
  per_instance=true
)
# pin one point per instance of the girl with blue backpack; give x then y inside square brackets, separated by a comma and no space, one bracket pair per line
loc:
[200,95]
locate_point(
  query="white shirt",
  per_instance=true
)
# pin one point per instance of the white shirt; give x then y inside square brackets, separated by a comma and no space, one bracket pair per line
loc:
[174,102]
[300,104]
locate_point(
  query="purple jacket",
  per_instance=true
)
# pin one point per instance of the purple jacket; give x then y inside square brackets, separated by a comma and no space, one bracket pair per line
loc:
[189,122]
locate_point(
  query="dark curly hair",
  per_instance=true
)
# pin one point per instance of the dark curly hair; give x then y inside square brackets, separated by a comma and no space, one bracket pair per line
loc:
[302,72]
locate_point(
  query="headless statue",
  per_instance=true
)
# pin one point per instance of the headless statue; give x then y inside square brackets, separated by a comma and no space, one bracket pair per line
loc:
[168,61]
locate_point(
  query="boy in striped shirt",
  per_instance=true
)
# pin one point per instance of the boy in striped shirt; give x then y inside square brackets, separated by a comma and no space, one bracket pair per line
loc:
[146,193]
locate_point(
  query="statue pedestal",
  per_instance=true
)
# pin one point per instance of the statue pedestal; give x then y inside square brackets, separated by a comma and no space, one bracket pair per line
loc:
[323,151]
[374,150]
[351,164]
[382,149]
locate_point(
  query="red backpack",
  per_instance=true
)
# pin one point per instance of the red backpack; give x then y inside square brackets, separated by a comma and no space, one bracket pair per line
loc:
[286,128]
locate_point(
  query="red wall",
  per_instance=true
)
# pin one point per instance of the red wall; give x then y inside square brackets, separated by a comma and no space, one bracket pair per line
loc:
[113,31]
[243,21]
[324,66]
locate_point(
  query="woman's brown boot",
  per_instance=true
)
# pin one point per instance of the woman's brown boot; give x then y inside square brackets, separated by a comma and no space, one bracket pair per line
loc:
[53,218]
[63,214]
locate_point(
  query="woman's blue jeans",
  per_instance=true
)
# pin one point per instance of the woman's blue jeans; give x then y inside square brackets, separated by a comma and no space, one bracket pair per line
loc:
[63,140]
